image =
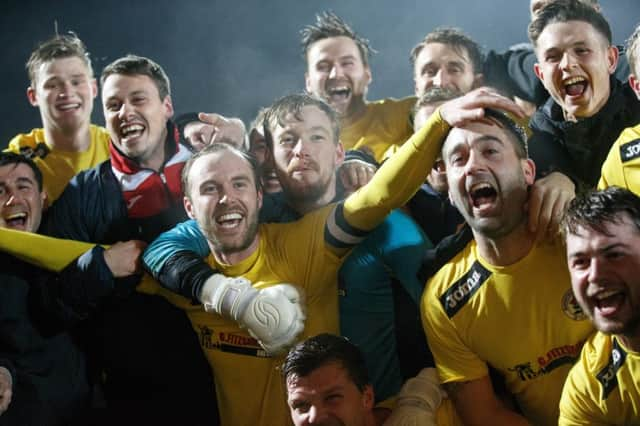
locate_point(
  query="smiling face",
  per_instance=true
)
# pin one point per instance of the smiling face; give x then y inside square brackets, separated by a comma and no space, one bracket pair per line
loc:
[136,117]
[487,181]
[604,274]
[574,64]
[258,147]
[306,154]
[337,74]
[328,397]
[442,65]
[21,200]
[222,197]
[63,90]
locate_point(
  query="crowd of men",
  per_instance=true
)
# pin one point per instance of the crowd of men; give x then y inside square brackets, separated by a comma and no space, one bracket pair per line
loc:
[466,255]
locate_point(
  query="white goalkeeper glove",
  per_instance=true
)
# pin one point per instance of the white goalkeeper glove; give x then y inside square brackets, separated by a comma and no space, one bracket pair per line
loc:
[418,401]
[272,315]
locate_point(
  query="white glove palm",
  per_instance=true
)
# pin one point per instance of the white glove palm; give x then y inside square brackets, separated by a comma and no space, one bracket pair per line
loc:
[418,401]
[272,315]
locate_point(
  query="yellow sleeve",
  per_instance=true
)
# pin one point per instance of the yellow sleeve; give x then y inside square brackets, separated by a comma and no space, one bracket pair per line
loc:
[578,404]
[398,178]
[612,173]
[49,253]
[455,361]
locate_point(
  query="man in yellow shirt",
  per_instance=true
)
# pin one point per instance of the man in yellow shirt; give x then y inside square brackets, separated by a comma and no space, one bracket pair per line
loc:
[63,88]
[602,231]
[338,72]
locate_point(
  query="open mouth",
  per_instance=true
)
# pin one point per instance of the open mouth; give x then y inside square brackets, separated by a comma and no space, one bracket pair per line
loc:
[575,86]
[482,195]
[131,130]
[229,220]
[608,302]
[338,93]
[16,220]
[68,106]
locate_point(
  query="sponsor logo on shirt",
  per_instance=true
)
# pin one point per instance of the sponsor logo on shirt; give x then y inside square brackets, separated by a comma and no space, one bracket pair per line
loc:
[462,290]
[230,342]
[40,151]
[608,375]
[554,358]
[630,150]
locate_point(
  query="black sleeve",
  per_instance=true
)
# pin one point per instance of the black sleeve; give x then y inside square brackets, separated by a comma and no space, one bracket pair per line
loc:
[512,72]
[60,301]
[436,257]
[185,273]
[356,154]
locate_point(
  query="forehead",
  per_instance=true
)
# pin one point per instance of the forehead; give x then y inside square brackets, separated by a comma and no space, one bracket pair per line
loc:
[219,166]
[71,65]
[441,52]
[121,84]
[9,172]
[557,34]
[475,132]
[332,48]
[310,117]
[319,380]
[623,231]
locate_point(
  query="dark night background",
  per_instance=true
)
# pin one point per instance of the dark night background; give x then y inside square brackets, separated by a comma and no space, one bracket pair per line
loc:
[233,56]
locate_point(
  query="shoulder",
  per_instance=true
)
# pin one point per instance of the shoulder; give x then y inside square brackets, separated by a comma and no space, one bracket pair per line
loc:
[26,143]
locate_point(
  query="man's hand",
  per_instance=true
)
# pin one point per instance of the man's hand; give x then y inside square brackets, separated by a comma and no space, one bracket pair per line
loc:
[355,174]
[273,315]
[123,258]
[6,389]
[470,107]
[549,198]
[224,130]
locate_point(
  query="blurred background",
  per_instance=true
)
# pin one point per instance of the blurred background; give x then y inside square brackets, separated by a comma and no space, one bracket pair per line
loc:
[233,57]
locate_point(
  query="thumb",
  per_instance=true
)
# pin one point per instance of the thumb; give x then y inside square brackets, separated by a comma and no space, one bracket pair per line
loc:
[290,292]
[211,118]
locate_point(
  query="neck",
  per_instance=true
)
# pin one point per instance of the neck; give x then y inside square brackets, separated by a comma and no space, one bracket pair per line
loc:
[75,140]
[235,257]
[507,249]
[354,113]
[156,160]
[630,342]
[304,206]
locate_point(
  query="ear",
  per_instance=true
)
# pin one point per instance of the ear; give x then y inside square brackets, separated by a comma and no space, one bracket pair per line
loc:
[367,72]
[612,58]
[44,199]
[634,82]
[168,106]
[94,88]
[188,207]
[368,397]
[529,170]
[538,71]
[307,82]
[339,154]
[478,80]
[32,96]
[259,199]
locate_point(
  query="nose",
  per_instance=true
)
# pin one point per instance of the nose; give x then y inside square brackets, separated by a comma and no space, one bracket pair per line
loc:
[336,71]
[11,200]
[567,61]
[473,163]
[440,79]
[125,110]
[596,270]
[316,415]
[300,148]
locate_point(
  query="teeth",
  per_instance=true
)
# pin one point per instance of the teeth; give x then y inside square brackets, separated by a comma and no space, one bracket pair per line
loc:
[131,129]
[229,216]
[574,80]
[16,216]
[68,106]
[477,186]
[605,294]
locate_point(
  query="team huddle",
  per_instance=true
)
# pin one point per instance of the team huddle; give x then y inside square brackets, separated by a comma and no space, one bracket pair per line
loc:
[465,255]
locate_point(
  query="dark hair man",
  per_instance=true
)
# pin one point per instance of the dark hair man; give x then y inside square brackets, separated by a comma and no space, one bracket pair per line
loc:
[602,234]
[502,277]
[327,381]
[338,72]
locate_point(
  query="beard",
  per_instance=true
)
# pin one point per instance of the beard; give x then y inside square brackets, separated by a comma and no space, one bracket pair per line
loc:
[237,244]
